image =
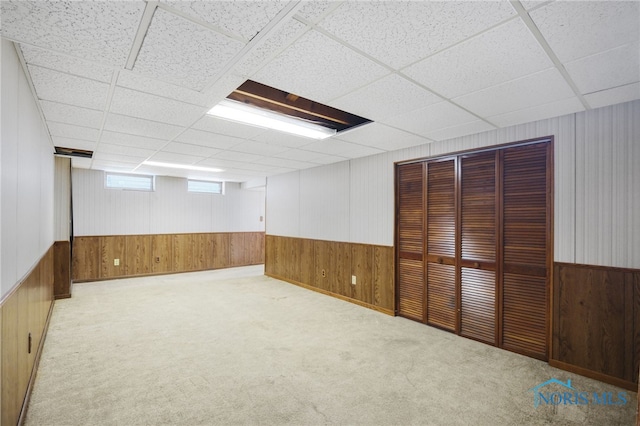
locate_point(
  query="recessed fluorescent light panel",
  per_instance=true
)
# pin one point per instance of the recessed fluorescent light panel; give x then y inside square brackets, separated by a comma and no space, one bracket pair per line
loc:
[263,106]
[248,114]
[181,166]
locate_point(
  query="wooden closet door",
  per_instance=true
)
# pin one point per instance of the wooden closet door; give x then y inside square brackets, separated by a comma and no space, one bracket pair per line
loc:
[441,244]
[527,255]
[478,250]
[410,241]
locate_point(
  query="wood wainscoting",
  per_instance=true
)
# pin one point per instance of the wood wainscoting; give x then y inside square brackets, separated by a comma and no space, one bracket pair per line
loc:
[137,255]
[596,322]
[62,269]
[24,319]
[328,267]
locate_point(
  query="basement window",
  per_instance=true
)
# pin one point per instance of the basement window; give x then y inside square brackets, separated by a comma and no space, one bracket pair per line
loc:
[206,186]
[128,181]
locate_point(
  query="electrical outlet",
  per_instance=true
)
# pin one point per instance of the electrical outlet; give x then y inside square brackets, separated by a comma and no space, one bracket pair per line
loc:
[324,273]
[116,262]
[261,218]
[157,259]
[353,280]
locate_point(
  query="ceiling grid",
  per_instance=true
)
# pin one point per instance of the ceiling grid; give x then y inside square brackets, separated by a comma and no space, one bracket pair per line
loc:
[134,80]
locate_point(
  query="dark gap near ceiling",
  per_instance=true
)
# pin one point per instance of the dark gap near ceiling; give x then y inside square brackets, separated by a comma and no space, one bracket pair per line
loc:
[73,152]
[289,104]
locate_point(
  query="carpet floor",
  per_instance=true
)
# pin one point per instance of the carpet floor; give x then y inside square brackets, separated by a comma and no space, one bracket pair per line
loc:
[233,347]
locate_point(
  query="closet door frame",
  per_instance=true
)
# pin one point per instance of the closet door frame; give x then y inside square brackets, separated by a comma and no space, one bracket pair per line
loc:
[499,306]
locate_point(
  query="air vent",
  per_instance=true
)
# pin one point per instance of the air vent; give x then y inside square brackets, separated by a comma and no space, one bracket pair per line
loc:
[73,152]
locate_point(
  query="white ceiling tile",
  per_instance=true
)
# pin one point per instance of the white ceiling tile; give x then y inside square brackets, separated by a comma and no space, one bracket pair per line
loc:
[284,139]
[313,11]
[259,148]
[74,143]
[141,83]
[401,32]
[68,89]
[341,148]
[185,148]
[172,157]
[81,163]
[360,151]
[264,168]
[222,163]
[142,142]
[328,159]
[70,114]
[283,162]
[183,53]
[211,140]
[140,127]
[537,89]
[244,18]
[310,156]
[221,88]
[506,52]
[236,156]
[539,112]
[530,4]
[151,107]
[113,166]
[278,171]
[616,95]
[226,127]
[460,130]
[99,31]
[433,117]
[299,155]
[389,96]
[383,137]
[613,68]
[277,41]
[130,151]
[129,161]
[66,64]
[74,132]
[319,68]
[582,28]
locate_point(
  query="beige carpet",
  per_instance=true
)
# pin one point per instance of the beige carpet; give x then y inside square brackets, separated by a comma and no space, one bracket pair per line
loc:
[234,347]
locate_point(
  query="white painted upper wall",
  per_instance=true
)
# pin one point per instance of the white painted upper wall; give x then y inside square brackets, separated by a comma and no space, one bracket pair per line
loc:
[169,209]
[26,155]
[596,188]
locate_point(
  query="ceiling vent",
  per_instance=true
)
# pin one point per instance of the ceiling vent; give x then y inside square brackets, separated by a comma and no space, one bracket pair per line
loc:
[73,152]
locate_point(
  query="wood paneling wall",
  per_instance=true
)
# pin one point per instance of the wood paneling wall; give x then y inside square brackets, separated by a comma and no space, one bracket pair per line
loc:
[93,257]
[62,269]
[327,267]
[24,316]
[596,322]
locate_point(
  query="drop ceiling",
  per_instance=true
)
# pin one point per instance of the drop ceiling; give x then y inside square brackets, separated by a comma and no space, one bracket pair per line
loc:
[133,80]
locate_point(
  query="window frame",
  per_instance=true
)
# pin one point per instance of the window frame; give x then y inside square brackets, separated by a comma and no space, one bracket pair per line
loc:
[152,179]
[221,183]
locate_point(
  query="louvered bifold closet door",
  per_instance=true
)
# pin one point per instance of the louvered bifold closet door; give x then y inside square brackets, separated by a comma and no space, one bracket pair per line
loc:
[441,244]
[478,247]
[526,249]
[410,241]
